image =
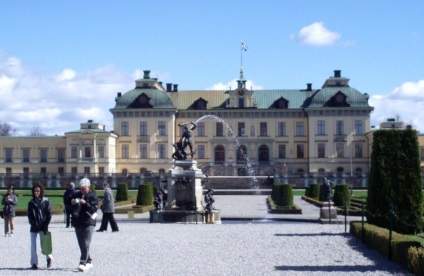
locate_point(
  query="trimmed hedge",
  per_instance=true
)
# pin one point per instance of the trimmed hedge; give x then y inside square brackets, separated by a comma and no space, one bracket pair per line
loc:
[341,195]
[282,195]
[122,192]
[145,194]
[405,251]
[395,180]
[313,190]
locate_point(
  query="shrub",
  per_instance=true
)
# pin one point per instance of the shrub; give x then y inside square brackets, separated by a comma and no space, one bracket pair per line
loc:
[93,187]
[145,194]
[341,195]
[395,180]
[313,190]
[283,194]
[122,192]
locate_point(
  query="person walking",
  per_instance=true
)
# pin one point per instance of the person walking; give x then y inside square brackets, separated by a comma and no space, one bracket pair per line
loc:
[108,208]
[10,200]
[84,220]
[67,197]
[39,216]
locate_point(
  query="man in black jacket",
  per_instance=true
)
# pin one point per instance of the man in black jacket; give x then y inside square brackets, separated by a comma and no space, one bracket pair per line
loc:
[84,220]
[67,197]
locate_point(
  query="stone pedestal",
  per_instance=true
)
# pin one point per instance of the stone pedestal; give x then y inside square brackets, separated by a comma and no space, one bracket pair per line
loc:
[328,214]
[185,196]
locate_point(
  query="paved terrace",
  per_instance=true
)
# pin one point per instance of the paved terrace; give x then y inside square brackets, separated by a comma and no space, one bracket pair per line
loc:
[251,245]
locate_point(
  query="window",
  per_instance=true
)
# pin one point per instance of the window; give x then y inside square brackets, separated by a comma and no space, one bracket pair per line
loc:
[101,151]
[219,129]
[263,129]
[74,153]
[339,128]
[61,170]
[358,127]
[161,151]
[281,151]
[101,170]
[8,171]
[300,150]
[124,128]
[161,128]
[143,128]
[43,155]
[87,151]
[321,150]
[87,170]
[282,104]
[241,102]
[300,129]
[125,151]
[358,150]
[263,153]
[281,128]
[74,170]
[25,155]
[201,151]
[241,129]
[61,155]
[9,155]
[143,151]
[26,171]
[339,150]
[43,170]
[201,129]
[219,154]
[320,127]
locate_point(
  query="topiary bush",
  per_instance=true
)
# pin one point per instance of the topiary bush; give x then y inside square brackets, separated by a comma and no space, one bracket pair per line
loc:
[122,192]
[313,190]
[395,180]
[145,194]
[341,195]
[283,195]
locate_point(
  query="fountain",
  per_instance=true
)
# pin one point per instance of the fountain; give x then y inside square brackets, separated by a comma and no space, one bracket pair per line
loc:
[184,188]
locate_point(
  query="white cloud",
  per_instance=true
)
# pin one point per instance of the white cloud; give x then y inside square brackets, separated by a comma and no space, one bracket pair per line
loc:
[405,101]
[317,35]
[58,102]
[233,85]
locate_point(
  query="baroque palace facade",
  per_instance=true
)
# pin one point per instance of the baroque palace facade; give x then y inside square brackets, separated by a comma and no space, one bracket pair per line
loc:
[239,132]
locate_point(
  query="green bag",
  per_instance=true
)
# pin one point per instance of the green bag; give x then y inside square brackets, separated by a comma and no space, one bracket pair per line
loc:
[46,244]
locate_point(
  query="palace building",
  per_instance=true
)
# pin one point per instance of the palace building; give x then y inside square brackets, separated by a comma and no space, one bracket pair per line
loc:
[239,131]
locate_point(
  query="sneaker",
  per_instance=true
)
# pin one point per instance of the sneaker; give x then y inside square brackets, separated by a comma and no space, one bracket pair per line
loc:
[82,268]
[10,234]
[49,262]
[100,230]
[6,235]
[89,265]
[34,267]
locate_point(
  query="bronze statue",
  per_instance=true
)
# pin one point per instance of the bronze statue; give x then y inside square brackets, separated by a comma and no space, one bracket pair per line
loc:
[326,187]
[186,137]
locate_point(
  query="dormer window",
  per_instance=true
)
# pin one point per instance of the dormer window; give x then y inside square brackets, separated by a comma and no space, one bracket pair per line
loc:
[200,104]
[142,101]
[339,99]
[281,103]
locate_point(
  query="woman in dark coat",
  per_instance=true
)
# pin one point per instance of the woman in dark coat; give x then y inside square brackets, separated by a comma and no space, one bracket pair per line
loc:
[39,216]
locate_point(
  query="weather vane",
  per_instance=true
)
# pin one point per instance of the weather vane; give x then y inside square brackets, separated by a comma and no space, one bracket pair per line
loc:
[243,48]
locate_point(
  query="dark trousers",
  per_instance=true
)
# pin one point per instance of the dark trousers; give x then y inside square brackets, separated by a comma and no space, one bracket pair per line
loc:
[84,235]
[108,218]
[68,212]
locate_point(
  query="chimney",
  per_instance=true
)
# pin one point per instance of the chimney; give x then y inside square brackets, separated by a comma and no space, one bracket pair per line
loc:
[119,94]
[175,88]
[309,86]
[337,73]
[160,83]
[169,87]
[146,74]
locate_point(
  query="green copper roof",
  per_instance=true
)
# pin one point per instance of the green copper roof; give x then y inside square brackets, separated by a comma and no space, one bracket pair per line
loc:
[158,98]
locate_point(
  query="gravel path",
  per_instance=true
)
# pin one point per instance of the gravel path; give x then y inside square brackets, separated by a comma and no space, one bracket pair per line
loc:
[140,248]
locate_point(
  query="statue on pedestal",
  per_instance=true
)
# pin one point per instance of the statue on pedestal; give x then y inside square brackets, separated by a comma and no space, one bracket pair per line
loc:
[185,140]
[209,200]
[326,187]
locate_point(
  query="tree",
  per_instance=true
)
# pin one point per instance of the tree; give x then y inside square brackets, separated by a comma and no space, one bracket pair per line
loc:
[395,181]
[36,131]
[6,129]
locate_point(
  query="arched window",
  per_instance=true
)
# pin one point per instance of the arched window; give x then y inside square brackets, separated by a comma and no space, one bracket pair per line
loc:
[263,153]
[358,171]
[219,154]
[321,171]
[124,171]
[241,153]
[143,170]
[340,169]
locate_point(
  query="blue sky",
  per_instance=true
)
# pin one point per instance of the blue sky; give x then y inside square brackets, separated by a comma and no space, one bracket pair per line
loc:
[62,62]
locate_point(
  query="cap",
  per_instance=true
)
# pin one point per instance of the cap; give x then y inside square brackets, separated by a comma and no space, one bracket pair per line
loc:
[85,182]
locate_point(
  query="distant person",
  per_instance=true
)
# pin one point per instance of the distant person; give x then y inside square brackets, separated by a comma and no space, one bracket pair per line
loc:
[108,208]
[84,220]
[67,197]
[10,200]
[39,216]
